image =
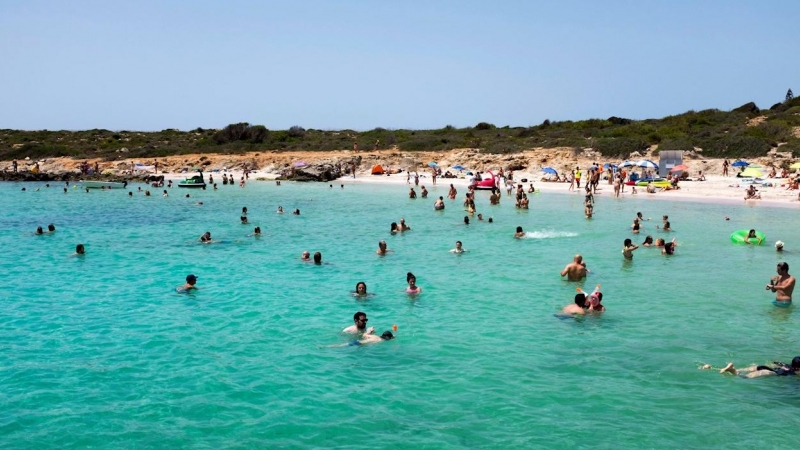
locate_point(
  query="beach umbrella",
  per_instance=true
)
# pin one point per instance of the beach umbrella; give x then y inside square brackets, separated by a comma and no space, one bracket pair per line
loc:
[549,170]
[752,172]
[679,168]
[459,167]
[626,164]
[795,166]
[740,163]
[609,166]
[300,164]
[432,164]
[646,164]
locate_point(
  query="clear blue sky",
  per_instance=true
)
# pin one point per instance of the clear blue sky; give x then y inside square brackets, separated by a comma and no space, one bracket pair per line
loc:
[155,64]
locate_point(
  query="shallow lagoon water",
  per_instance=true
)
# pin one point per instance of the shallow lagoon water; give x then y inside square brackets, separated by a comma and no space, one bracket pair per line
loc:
[101,350]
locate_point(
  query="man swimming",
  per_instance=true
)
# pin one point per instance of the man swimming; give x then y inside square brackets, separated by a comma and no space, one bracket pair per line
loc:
[368,339]
[206,237]
[458,249]
[191,280]
[578,307]
[782,285]
[576,270]
[776,368]
[359,325]
[382,249]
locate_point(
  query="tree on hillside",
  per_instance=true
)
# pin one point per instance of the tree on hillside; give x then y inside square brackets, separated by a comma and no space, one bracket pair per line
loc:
[789,95]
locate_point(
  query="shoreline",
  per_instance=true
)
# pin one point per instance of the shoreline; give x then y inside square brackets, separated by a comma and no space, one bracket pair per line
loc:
[268,166]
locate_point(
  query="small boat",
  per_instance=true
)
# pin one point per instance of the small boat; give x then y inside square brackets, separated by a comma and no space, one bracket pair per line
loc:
[657,182]
[93,184]
[196,182]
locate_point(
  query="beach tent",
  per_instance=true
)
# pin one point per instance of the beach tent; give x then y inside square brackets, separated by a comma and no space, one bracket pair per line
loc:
[377,169]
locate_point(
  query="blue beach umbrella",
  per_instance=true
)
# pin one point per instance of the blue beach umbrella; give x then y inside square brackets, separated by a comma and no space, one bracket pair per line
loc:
[609,166]
[626,163]
[432,164]
[740,163]
[647,164]
[459,167]
[549,170]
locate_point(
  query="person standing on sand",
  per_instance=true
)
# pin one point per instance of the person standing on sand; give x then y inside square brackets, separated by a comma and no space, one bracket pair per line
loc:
[578,176]
[576,270]
[725,168]
[782,285]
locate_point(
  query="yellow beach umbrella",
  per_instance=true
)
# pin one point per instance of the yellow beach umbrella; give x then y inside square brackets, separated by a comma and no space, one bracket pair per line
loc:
[752,172]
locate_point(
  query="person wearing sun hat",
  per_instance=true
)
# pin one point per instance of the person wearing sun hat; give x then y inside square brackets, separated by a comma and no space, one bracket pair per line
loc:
[191,280]
[779,246]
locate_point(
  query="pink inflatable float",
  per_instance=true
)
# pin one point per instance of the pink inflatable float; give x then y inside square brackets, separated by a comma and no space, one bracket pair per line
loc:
[486,183]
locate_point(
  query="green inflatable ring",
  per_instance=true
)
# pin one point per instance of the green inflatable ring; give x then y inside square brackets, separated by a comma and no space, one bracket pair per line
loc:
[739,236]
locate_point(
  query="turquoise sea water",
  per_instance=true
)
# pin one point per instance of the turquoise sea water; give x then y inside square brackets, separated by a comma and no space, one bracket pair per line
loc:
[100,350]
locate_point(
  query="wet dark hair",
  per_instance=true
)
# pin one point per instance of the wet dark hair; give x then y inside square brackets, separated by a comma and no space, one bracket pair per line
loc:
[51,227]
[796,362]
[580,299]
[393,226]
[317,257]
[359,284]
[80,249]
[466,220]
[627,243]
[409,276]
[387,335]
[669,248]
[648,240]
[519,229]
[783,266]
[359,314]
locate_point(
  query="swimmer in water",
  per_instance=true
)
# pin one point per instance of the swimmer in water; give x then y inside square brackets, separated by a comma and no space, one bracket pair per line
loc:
[80,250]
[296,212]
[191,281]
[412,284]
[480,216]
[782,285]
[305,256]
[39,230]
[627,249]
[777,368]
[752,238]
[579,307]
[439,205]
[519,234]
[257,231]
[576,270]
[669,248]
[318,258]
[779,246]
[423,192]
[361,289]
[412,193]
[635,226]
[206,237]
[280,210]
[359,324]
[648,241]
[51,228]
[382,249]
[393,228]
[459,248]
[403,226]
[466,220]
[367,339]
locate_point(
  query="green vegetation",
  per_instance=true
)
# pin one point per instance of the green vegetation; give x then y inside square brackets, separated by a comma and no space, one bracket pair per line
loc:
[718,133]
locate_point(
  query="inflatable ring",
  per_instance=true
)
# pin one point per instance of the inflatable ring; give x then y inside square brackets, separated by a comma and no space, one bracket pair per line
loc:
[739,236]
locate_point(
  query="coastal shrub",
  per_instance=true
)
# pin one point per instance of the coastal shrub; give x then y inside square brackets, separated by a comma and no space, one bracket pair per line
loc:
[484,126]
[296,131]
